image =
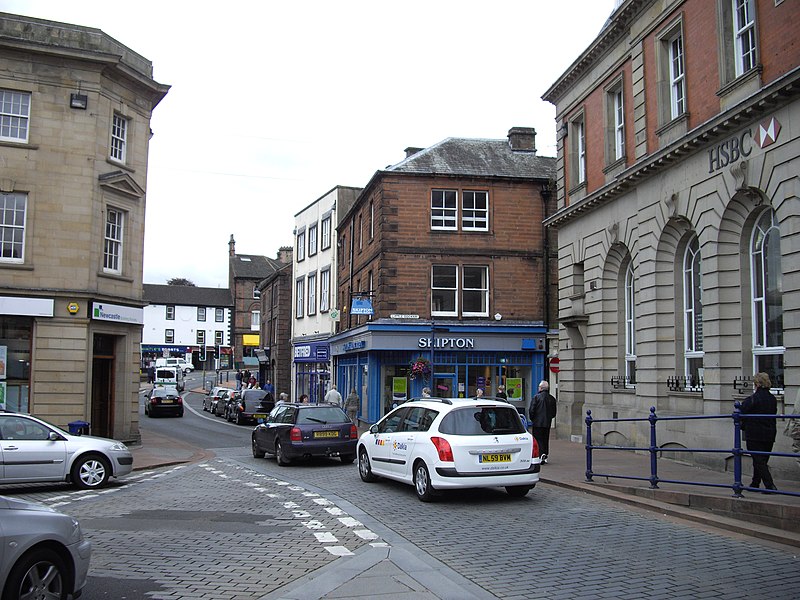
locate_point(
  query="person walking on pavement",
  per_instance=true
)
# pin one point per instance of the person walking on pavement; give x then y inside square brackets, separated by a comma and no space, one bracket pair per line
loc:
[542,411]
[351,406]
[759,433]
[501,393]
[333,396]
[426,392]
[238,379]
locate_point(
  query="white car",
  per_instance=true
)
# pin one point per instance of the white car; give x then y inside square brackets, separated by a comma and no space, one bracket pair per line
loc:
[43,553]
[33,450]
[447,443]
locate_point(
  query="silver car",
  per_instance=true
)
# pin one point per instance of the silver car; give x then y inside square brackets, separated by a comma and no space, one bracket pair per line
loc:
[33,450]
[42,552]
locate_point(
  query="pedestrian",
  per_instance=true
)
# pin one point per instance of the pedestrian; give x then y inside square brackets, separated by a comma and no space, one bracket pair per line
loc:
[252,383]
[793,428]
[334,397]
[268,387]
[351,405]
[759,433]
[151,374]
[426,392]
[238,379]
[282,399]
[479,393]
[542,411]
[501,393]
[303,398]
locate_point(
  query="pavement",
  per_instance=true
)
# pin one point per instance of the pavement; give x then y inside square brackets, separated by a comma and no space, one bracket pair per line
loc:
[401,572]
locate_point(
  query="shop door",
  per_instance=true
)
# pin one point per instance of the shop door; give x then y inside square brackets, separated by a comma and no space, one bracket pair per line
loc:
[102,416]
[444,385]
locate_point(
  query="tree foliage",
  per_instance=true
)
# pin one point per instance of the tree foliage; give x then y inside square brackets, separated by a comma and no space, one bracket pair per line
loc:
[180,281]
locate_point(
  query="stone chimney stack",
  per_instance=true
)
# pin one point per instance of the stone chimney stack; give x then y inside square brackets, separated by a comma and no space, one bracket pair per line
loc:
[285,254]
[411,151]
[232,247]
[522,139]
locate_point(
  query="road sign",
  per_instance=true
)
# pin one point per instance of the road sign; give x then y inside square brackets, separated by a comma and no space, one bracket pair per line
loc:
[554,365]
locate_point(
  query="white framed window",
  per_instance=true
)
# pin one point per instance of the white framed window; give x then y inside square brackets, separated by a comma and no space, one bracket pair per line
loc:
[312,240]
[13,209]
[444,290]
[766,284]
[324,290]
[577,151]
[619,124]
[169,313]
[744,35]
[677,89]
[255,320]
[201,337]
[311,284]
[169,336]
[256,292]
[630,326]
[201,313]
[615,121]
[218,338]
[475,291]
[15,114]
[299,290]
[325,233]
[474,211]
[301,245]
[112,250]
[360,233]
[693,313]
[119,138]
[444,209]
[219,315]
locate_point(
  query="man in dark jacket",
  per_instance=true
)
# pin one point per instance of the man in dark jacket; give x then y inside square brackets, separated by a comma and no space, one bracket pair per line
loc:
[542,412]
[759,433]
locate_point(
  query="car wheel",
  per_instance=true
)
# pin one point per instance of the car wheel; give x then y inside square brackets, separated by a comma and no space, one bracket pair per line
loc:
[239,419]
[280,456]
[422,482]
[257,453]
[149,414]
[205,408]
[364,468]
[518,491]
[180,414]
[348,458]
[90,472]
[39,574]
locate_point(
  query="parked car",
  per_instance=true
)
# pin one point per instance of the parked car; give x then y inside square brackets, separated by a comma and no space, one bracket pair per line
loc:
[213,396]
[164,400]
[445,443]
[225,405]
[44,553]
[33,450]
[249,406]
[293,431]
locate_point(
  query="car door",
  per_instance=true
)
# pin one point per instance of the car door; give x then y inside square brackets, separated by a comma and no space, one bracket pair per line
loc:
[404,442]
[382,454]
[28,452]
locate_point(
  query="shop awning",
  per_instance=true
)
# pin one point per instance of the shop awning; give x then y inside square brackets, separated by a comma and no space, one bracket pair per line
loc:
[251,339]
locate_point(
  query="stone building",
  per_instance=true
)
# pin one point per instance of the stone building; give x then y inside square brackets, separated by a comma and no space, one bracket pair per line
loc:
[75,109]
[678,219]
[443,260]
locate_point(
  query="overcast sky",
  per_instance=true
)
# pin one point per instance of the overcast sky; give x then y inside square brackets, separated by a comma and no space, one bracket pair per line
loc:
[275,103]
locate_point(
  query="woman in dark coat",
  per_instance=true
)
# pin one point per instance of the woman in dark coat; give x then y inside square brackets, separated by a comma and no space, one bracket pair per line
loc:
[759,433]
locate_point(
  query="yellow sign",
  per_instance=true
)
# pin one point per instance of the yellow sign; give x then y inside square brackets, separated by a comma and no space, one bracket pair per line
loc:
[73,308]
[249,339]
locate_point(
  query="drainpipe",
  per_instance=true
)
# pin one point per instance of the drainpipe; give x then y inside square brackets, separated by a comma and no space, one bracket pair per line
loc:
[546,193]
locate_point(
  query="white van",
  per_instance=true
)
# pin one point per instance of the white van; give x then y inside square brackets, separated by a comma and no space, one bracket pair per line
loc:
[169,376]
[182,363]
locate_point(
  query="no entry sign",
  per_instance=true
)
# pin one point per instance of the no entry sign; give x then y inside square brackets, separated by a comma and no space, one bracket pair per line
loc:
[554,364]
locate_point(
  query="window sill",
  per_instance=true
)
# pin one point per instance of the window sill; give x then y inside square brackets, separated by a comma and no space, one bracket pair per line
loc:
[679,120]
[115,277]
[21,145]
[620,162]
[580,187]
[16,266]
[123,166]
[740,80]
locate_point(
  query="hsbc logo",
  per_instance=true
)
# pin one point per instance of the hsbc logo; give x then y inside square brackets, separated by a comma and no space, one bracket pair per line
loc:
[740,146]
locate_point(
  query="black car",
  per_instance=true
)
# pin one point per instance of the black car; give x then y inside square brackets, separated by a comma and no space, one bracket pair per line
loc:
[304,430]
[224,405]
[250,406]
[164,401]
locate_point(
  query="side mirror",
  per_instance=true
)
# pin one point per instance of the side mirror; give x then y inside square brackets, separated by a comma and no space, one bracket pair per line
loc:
[374,429]
[54,437]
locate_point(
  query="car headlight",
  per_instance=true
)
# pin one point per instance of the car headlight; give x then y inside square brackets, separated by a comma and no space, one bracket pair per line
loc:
[118,447]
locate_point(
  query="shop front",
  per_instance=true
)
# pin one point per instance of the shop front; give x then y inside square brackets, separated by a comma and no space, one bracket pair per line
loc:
[387,363]
[312,370]
[150,352]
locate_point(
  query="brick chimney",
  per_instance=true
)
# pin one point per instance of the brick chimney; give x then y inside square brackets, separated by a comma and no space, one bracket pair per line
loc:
[232,247]
[285,254]
[522,139]
[411,151]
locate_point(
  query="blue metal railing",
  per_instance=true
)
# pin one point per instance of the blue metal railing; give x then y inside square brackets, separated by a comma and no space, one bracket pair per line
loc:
[737,451]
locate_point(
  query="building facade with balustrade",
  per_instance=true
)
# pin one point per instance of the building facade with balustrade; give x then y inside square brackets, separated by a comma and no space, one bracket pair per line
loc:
[678,219]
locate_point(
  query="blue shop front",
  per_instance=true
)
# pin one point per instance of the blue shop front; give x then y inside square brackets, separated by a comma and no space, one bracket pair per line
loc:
[387,362]
[312,374]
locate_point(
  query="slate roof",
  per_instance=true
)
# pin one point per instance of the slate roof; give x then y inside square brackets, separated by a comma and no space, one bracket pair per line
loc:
[478,158]
[187,295]
[252,266]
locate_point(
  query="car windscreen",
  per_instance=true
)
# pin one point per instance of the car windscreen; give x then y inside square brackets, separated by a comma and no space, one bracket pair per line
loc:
[321,414]
[165,393]
[482,420]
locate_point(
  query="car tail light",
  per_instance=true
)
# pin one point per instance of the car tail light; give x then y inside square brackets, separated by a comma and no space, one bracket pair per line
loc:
[535,449]
[153,400]
[353,432]
[443,448]
[180,400]
[296,435]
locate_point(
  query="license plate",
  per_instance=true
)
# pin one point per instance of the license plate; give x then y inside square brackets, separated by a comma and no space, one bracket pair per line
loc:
[259,416]
[166,402]
[326,434]
[495,458]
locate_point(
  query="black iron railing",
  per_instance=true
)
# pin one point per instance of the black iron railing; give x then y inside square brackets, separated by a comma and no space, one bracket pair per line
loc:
[685,383]
[621,382]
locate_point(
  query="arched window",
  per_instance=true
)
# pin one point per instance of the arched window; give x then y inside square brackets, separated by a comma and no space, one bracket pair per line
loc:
[766,291]
[630,327]
[693,315]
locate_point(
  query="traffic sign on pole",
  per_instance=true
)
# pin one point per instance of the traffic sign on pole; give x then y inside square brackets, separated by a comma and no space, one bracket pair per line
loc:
[554,364]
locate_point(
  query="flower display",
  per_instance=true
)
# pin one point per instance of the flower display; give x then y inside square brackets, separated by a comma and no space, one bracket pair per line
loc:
[420,368]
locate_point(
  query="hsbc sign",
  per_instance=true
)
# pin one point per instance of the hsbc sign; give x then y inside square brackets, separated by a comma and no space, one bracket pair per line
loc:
[740,146]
